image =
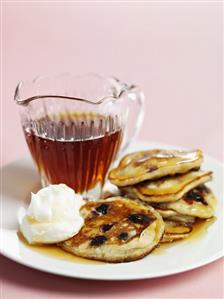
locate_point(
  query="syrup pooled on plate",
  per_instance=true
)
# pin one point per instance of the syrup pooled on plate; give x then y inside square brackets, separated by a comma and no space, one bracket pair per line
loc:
[56,252]
[200,228]
[75,149]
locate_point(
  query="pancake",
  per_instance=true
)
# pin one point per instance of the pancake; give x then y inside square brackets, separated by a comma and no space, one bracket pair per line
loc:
[173,215]
[169,188]
[175,231]
[199,202]
[153,164]
[116,230]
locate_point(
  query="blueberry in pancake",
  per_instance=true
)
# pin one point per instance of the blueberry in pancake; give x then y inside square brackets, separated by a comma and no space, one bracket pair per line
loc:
[116,230]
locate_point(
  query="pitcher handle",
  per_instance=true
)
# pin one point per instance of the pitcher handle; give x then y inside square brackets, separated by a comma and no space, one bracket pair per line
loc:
[135,95]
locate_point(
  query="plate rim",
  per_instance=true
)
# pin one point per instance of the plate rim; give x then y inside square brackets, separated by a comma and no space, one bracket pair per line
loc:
[116,277]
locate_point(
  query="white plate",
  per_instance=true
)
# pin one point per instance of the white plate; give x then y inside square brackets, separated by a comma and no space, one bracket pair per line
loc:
[20,177]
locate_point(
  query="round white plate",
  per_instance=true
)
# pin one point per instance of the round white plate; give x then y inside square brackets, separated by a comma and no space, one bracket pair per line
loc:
[20,177]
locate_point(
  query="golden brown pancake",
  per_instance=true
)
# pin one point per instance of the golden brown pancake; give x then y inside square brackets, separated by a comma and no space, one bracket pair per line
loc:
[116,230]
[169,188]
[174,216]
[199,202]
[175,231]
[153,164]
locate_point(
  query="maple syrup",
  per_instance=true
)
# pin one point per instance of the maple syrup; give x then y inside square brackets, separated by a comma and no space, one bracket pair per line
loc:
[75,149]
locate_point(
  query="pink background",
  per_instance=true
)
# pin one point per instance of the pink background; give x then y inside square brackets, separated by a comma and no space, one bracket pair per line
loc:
[172,50]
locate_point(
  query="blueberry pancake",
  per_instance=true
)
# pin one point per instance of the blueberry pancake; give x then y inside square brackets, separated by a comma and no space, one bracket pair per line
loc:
[175,231]
[169,188]
[199,202]
[153,164]
[116,230]
[172,215]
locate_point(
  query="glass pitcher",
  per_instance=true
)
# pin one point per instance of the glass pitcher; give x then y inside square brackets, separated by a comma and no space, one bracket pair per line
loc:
[74,126]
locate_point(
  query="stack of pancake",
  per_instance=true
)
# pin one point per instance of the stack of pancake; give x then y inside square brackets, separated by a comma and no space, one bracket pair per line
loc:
[172,182]
[163,196]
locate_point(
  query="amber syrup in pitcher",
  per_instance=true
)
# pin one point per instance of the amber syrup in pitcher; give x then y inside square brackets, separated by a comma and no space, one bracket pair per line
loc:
[75,149]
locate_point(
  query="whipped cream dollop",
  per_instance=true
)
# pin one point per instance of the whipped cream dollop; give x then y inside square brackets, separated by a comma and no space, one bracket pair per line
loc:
[52,216]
